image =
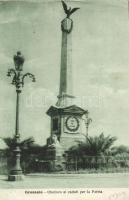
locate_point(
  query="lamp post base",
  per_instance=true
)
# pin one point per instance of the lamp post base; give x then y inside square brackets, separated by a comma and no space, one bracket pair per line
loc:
[18,177]
[15,175]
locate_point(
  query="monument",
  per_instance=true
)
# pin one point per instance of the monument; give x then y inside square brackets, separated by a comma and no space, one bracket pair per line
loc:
[66,118]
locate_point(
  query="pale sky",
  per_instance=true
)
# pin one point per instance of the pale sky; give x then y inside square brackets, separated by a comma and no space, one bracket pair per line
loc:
[100,54]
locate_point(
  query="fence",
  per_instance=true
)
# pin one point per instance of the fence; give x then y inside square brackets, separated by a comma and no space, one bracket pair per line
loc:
[76,164]
[88,164]
[98,164]
[3,164]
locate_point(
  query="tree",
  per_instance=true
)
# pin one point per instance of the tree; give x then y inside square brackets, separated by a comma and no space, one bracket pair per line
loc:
[96,146]
[120,149]
[30,152]
[25,146]
[95,150]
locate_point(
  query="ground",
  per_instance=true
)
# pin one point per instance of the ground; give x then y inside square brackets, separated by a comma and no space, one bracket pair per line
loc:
[119,180]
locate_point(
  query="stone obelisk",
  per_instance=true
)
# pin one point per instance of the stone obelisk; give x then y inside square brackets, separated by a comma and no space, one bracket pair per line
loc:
[66,118]
[65,96]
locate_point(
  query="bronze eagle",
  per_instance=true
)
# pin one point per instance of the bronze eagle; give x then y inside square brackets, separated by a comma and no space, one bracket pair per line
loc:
[68,11]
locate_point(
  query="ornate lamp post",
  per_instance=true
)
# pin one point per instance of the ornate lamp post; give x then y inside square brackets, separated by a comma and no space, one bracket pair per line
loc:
[18,81]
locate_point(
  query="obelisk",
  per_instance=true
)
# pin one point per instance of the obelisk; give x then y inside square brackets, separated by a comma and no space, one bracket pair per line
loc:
[65,97]
[66,118]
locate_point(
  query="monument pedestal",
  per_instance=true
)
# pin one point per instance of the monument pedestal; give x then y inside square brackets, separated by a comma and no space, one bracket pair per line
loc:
[67,125]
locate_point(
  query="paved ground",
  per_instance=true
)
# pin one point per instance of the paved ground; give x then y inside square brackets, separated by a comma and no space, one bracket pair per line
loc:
[119,180]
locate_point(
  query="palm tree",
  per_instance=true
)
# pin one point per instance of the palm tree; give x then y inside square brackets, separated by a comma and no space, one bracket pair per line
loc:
[30,151]
[99,145]
[121,155]
[94,149]
[95,146]
[25,147]
[120,149]
[25,144]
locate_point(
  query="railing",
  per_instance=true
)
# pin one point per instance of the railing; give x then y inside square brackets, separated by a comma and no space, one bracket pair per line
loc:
[3,164]
[86,164]
[91,164]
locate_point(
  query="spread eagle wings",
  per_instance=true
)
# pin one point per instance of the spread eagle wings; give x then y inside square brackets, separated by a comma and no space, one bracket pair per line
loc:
[64,6]
[73,10]
[68,11]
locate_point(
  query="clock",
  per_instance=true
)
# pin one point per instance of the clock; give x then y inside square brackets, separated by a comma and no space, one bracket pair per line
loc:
[72,123]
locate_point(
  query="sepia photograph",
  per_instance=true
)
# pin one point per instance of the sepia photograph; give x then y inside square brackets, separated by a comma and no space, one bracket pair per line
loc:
[64,103]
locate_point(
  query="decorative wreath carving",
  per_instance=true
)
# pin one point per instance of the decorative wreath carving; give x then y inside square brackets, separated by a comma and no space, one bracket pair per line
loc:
[72,129]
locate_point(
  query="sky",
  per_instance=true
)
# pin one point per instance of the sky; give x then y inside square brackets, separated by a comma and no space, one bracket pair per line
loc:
[100,58]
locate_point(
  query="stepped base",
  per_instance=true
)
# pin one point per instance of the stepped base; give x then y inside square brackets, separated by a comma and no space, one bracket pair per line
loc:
[15,175]
[19,177]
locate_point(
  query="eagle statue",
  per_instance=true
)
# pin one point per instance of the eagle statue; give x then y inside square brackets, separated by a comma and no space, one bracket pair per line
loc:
[69,11]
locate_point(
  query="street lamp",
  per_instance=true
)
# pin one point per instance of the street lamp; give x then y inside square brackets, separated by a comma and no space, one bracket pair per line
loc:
[18,81]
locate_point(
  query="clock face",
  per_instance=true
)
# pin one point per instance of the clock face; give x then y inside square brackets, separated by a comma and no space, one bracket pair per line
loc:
[72,123]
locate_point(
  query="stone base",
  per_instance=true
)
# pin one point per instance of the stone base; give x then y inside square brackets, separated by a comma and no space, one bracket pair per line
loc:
[55,166]
[19,177]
